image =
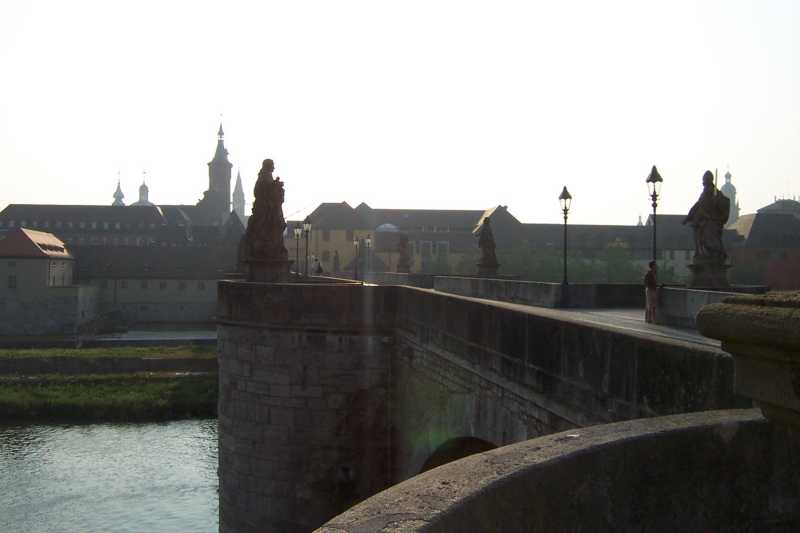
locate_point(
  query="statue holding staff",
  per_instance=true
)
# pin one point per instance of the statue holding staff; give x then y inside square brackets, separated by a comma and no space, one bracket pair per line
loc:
[707,218]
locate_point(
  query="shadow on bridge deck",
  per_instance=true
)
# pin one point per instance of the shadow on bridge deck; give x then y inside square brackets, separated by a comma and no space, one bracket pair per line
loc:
[625,320]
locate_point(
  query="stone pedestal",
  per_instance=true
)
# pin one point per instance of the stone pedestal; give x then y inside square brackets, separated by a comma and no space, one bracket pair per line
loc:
[268,270]
[488,270]
[708,274]
[762,333]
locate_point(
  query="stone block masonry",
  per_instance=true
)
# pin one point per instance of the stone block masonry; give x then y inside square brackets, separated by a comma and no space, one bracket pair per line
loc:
[303,426]
[330,393]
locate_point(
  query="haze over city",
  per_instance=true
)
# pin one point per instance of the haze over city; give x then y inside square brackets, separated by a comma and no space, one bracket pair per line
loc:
[449,105]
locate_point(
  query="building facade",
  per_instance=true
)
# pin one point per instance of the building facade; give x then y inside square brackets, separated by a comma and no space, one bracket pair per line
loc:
[37,293]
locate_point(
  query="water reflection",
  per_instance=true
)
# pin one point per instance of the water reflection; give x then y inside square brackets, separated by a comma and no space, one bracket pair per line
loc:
[109,477]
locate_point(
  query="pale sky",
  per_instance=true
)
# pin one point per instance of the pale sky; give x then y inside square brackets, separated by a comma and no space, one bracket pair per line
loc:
[416,104]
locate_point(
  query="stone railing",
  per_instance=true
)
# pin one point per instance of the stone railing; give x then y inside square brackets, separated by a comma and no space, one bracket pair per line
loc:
[709,471]
[679,306]
[540,294]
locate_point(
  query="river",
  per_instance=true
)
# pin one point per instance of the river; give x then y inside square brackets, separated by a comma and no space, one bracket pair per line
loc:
[154,477]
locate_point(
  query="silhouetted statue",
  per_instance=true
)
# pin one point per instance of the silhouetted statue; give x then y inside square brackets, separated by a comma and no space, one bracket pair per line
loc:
[263,247]
[707,218]
[336,261]
[487,265]
[403,261]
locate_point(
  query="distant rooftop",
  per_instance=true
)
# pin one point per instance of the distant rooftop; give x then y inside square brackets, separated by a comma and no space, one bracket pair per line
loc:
[27,243]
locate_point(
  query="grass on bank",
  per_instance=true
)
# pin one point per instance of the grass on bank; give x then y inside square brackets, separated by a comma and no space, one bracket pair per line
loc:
[195,351]
[109,397]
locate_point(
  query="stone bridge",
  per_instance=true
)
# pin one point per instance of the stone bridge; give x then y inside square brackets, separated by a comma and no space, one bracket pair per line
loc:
[330,393]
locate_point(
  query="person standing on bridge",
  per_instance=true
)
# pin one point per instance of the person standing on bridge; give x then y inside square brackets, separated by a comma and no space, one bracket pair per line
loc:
[650,293]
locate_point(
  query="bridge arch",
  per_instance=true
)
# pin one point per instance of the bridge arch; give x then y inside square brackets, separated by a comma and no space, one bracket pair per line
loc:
[455,449]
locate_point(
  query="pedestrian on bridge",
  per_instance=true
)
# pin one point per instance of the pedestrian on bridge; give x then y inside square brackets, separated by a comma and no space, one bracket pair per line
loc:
[650,293]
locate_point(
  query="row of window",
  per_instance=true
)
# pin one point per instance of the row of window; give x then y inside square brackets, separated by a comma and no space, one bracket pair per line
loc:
[349,234]
[424,248]
[145,284]
[428,248]
[71,225]
[116,241]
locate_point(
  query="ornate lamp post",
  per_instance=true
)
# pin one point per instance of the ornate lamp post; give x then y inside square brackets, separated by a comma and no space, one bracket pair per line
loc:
[307,233]
[298,232]
[368,242]
[565,199]
[654,181]
[357,258]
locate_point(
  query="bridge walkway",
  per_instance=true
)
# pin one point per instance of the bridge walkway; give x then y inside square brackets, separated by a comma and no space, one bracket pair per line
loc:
[628,320]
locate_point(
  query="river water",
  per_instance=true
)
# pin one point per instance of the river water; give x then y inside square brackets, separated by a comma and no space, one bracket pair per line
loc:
[155,477]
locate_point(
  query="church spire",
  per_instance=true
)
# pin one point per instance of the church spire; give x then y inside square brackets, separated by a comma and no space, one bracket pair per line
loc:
[144,190]
[221,154]
[238,197]
[118,196]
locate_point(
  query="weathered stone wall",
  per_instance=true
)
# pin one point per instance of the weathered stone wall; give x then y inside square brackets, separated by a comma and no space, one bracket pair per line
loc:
[437,398]
[503,374]
[153,300]
[303,407]
[594,295]
[329,393]
[47,311]
[712,471]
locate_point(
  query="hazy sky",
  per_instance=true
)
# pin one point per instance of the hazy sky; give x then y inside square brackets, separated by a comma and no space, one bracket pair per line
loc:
[427,104]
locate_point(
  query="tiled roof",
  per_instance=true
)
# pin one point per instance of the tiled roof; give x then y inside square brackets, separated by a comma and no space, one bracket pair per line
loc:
[335,216]
[774,230]
[785,205]
[415,219]
[342,216]
[28,243]
[81,213]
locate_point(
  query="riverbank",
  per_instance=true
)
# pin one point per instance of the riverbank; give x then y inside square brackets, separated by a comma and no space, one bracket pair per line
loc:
[160,352]
[126,397]
[108,384]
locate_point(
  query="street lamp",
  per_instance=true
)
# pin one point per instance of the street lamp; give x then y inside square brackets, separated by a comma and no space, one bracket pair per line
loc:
[357,257]
[368,242]
[298,232]
[307,233]
[654,181]
[565,199]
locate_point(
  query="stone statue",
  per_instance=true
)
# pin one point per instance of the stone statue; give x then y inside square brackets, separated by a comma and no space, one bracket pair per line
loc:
[262,244]
[487,265]
[403,262]
[707,218]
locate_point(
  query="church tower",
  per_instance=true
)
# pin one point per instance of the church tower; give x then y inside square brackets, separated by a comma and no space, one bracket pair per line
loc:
[729,190]
[118,196]
[238,197]
[219,174]
[144,193]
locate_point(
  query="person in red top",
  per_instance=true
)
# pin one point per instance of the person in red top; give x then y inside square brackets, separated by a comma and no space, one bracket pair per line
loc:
[650,293]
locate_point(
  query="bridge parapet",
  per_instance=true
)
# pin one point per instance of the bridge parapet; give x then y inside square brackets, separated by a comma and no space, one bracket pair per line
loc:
[332,392]
[709,471]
